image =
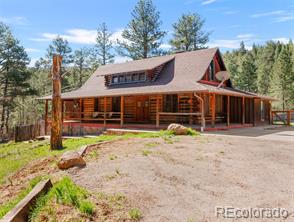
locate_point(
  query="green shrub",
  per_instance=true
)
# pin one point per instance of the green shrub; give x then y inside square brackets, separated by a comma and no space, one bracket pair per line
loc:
[135,214]
[192,132]
[87,208]
[67,193]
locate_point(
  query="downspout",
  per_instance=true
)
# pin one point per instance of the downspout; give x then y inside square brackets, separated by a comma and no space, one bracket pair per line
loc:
[202,111]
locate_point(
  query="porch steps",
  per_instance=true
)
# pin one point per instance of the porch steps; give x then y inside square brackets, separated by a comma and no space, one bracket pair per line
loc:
[126,131]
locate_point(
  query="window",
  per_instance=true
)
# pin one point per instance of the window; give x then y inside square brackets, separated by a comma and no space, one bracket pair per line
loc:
[114,80]
[211,71]
[135,77]
[262,111]
[96,105]
[170,103]
[116,104]
[128,78]
[142,77]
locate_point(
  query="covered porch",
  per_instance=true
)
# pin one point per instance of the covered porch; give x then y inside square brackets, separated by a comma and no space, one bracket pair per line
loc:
[197,110]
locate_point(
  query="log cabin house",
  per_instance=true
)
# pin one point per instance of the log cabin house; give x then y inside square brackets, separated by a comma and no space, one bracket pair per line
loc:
[154,92]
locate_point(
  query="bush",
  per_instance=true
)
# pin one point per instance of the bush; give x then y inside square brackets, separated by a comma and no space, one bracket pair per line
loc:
[87,208]
[192,132]
[135,214]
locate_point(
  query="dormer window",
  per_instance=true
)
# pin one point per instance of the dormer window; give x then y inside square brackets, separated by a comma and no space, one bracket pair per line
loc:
[128,78]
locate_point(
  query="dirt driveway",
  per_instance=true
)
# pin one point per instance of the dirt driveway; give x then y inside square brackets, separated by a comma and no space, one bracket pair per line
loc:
[186,178]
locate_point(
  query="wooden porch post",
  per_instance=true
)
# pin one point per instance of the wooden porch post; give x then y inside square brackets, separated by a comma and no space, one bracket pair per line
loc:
[105,106]
[270,113]
[213,110]
[62,110]
[243,110]
[80,114]
[157,111]
[191,109]
[228,110]
[288,118]
[121,110]
[46,116]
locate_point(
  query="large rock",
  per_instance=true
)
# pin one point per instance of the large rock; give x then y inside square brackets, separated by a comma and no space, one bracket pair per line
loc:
[70,159]
[178,129]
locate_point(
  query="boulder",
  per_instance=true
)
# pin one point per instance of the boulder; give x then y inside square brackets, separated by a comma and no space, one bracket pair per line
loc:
[70,159]
[178,129]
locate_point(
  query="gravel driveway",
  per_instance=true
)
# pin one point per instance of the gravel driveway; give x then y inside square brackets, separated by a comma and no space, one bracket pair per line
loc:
[185,178]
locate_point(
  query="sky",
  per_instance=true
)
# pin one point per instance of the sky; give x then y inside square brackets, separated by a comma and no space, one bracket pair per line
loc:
[36,22]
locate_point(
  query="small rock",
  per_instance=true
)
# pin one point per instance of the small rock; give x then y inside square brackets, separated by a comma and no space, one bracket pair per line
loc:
[70,159]
[178,129]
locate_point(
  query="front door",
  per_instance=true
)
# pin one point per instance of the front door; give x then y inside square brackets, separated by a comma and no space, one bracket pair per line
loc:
[142,109]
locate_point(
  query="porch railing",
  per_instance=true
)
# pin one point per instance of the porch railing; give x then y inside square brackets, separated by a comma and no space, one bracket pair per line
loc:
[189,115]
[279,117]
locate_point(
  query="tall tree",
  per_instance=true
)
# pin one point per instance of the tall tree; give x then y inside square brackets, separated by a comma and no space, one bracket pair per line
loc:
[14,75]
[283,78]
[142,36]
[104,45]
[82,66]
[265,62]
[188,34]
[61,47]
[247,74]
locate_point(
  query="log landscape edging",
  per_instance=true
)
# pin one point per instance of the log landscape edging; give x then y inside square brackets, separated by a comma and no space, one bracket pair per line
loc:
[21,211]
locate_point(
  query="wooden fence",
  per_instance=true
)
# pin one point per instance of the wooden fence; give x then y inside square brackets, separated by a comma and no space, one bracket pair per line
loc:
[29,132]
[282,117]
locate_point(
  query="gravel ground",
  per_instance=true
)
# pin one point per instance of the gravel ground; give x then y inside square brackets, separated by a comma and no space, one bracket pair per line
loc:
[186,178]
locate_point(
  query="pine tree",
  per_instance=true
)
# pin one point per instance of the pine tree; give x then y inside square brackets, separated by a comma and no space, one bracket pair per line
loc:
[283,78]
[246,79]
[61,47]
[188,34]
[142,36]
[265,62]
[104,45]
[14,74]
[82,66]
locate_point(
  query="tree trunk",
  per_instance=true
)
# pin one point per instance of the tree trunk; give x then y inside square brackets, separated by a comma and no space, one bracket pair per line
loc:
[4,107]
[56,123]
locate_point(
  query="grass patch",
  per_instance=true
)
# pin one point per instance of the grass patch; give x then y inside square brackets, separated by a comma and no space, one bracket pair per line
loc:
[112,157]
[146,152]
[152,144]
[4,208]
[192,132]
[64,192]
[135,214]
[14,156]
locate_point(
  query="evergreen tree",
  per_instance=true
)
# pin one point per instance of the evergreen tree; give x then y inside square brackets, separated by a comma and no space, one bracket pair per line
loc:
[61,47]
[82,66]
[142,36]
[283,78]
[247,77]
[14,74]
[265,62]
[188,34]
[104,45]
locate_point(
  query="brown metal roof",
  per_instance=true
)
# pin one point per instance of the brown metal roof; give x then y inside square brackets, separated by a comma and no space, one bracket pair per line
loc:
[180,74]
[133,66]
